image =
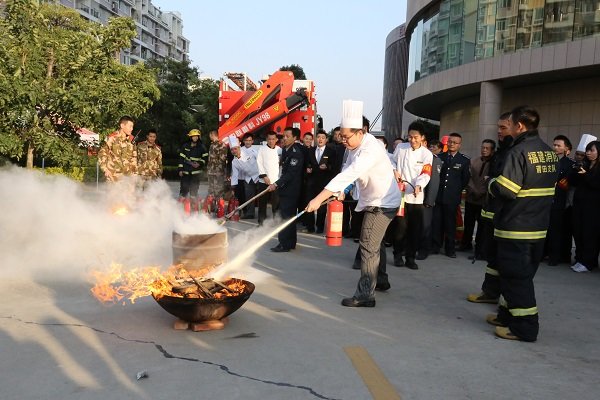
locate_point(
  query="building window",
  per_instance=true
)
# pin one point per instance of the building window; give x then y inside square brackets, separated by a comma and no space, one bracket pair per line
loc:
[587,18]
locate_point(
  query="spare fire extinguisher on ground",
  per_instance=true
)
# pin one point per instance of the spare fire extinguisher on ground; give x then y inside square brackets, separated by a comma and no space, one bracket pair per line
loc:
[208,204]
[333,223]
[187,206]
[233,204]
[220,207]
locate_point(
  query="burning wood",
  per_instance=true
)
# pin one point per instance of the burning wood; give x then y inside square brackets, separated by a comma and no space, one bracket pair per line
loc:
[120,210]
[118,284]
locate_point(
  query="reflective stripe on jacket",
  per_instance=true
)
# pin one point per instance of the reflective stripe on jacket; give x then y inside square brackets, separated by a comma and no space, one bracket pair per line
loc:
[525,189]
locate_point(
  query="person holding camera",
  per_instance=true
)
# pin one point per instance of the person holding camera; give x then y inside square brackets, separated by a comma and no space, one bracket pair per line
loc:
[585,177]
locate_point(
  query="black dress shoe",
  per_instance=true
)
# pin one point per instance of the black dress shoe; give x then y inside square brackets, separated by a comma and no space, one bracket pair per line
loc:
[354,302]
[422,256]
[279,249]
[383,286]
[398,262]
[451,255]
[411,264]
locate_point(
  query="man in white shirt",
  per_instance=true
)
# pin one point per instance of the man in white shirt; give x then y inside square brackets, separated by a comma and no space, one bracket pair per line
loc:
[413,168]
[268,172]
[245,170]
[369,166]
[249,154]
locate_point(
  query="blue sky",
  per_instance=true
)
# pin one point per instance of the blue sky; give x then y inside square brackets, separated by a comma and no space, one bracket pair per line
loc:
[339,44]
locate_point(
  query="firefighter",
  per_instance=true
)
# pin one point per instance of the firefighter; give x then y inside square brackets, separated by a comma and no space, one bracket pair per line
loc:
[289,186]
[368,165]
[192,157]
[118,155]
[525,190]
[149,157]
[490,289]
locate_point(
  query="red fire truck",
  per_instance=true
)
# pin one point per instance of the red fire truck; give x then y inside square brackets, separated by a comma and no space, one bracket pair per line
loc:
[279,102]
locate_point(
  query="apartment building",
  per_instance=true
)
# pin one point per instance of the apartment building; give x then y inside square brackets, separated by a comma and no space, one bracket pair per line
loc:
[159,33]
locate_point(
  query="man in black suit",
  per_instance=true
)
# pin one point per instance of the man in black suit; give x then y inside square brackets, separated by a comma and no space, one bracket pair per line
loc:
[430,191]
[320,169]
[454,177]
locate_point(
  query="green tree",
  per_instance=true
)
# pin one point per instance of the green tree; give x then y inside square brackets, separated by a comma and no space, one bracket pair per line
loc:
[295,69]
[60,72]
[186,102]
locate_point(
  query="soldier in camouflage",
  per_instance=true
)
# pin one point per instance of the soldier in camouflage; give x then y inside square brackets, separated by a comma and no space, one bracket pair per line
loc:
[149,158]
[217,162]
[118,155]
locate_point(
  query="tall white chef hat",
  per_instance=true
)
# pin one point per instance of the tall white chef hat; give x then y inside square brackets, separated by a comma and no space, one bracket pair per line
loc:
[233,141]
[585,140]
[352,112]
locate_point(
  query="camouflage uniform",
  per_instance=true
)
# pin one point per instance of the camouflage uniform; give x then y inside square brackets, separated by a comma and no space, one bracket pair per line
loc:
[217,161]
[149,158]
[118,156]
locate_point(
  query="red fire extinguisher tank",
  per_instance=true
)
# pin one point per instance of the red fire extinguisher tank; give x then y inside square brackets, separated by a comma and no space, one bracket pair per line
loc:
[333,223]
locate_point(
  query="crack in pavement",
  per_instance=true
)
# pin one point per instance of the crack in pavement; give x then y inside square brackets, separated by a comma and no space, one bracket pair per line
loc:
[166,354]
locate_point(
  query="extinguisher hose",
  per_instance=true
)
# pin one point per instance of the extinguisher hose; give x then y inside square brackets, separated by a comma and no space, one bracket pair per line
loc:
[329,200]
[231,214]
[409,184]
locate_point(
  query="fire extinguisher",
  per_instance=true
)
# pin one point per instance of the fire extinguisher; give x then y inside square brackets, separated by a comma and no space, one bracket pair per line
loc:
[333,223]
[195,204]
[208,204]
[220,207]
[187,206]
[233,204]
[402,188]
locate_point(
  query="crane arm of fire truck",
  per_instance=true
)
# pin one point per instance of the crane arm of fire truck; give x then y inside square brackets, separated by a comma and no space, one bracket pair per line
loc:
[273,101]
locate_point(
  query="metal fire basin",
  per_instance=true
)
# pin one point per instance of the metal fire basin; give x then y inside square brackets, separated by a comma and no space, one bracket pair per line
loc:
[198,310]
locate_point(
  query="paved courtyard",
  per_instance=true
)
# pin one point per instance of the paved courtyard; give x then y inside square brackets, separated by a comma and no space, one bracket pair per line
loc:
[293,339]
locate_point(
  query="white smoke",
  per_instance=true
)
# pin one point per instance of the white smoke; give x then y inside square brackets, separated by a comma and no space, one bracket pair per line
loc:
[59,228]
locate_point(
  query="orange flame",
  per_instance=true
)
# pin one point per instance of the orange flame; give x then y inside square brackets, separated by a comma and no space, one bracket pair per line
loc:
[120,210]
[117,284]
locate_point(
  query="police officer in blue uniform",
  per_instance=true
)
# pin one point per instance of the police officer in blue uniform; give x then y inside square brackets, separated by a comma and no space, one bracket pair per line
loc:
[289,187]
[454,177]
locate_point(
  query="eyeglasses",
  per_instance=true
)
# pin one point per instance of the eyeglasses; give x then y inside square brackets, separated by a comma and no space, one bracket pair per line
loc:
[345,139]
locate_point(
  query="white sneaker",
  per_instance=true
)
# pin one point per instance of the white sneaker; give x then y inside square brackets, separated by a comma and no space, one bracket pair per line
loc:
[578,267]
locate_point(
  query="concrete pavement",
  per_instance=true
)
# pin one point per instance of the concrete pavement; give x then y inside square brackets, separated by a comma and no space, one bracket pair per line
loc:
[293,339]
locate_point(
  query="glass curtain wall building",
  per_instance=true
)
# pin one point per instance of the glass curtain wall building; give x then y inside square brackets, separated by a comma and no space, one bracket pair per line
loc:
[471,60]
[456,32]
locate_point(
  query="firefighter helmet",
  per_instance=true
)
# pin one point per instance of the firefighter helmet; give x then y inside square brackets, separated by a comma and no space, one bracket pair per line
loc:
[195,132]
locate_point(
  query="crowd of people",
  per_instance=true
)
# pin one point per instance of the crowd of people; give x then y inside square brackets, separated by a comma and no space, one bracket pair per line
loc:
[523,200]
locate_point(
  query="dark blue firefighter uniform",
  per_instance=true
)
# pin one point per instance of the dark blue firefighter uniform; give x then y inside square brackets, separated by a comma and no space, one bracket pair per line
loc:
[289,187]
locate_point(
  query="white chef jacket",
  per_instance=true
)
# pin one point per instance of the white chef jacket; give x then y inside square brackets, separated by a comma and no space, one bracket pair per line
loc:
[369,166]
[414,166]
[268,162]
